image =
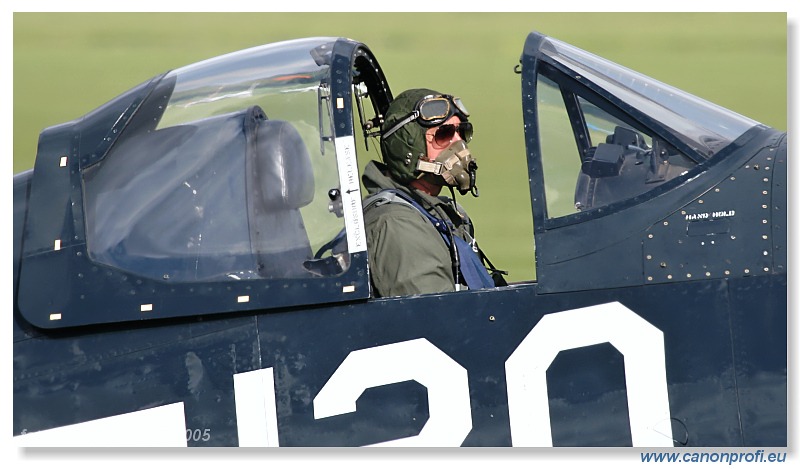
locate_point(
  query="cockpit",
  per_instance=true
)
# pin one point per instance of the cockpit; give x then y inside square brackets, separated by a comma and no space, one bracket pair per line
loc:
[229,184]
[220,172]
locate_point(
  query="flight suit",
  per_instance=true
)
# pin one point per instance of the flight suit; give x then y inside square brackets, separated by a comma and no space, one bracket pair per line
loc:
[407,255]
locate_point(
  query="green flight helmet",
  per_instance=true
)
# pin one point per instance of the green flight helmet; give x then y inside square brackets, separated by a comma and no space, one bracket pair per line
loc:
[403,148]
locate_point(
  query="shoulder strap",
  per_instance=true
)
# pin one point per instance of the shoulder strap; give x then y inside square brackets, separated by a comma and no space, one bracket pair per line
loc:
[465,258]
[394,196]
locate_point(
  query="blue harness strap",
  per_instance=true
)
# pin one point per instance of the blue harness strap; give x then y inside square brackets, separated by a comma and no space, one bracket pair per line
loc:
[470,266]
[472,269]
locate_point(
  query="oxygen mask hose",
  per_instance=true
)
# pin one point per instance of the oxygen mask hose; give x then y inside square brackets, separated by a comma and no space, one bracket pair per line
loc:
[472,167]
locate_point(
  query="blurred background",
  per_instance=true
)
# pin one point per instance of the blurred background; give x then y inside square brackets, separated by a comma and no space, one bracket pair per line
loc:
[67,64]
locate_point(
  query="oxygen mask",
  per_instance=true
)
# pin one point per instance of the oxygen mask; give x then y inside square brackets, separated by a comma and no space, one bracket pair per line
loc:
[456,165]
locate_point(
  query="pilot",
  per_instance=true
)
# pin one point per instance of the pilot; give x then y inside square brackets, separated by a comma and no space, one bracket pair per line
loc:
[419,241]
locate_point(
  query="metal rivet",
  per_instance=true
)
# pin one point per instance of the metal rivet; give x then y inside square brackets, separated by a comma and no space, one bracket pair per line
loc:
[491,318]
[649,257]
[708,274]
[766,269]
[649,279]
[764,237]
[764,192]
[716,190]
[650,236]
[666,223]
[688,275]
[747,271]
[700,201]
[669,276]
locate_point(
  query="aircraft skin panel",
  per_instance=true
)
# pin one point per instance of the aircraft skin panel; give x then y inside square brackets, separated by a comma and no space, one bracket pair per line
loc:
[778,206]
[64,378]
[22,186]
[758,311]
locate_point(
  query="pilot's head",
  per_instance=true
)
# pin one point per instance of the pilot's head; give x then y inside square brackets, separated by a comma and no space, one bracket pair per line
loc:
[425,134]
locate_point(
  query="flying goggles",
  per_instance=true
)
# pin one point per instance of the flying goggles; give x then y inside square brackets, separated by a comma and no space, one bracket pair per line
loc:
[433,110]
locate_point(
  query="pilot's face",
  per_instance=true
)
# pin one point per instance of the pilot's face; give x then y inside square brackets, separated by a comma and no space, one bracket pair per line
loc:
[434,145]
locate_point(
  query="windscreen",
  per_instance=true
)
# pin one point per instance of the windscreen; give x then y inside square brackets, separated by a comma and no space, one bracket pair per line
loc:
[705,126]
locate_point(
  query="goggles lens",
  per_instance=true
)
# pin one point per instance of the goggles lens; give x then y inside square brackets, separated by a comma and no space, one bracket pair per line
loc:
[445,133]
[434,110]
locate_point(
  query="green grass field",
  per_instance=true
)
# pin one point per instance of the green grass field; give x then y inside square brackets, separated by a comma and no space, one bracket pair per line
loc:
[67,64]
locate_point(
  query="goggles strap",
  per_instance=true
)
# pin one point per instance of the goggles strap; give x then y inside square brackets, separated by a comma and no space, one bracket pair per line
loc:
[400,124]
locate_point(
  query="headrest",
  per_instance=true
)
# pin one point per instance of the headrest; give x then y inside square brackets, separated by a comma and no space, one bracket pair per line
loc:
[283,166]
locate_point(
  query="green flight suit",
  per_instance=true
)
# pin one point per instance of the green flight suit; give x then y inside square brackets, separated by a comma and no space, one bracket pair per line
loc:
[407,255]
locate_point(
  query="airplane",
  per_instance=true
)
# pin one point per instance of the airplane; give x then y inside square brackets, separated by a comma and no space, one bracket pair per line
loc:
[190,269]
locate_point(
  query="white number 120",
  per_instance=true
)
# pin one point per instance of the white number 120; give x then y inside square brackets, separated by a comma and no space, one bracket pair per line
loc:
[641,344]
